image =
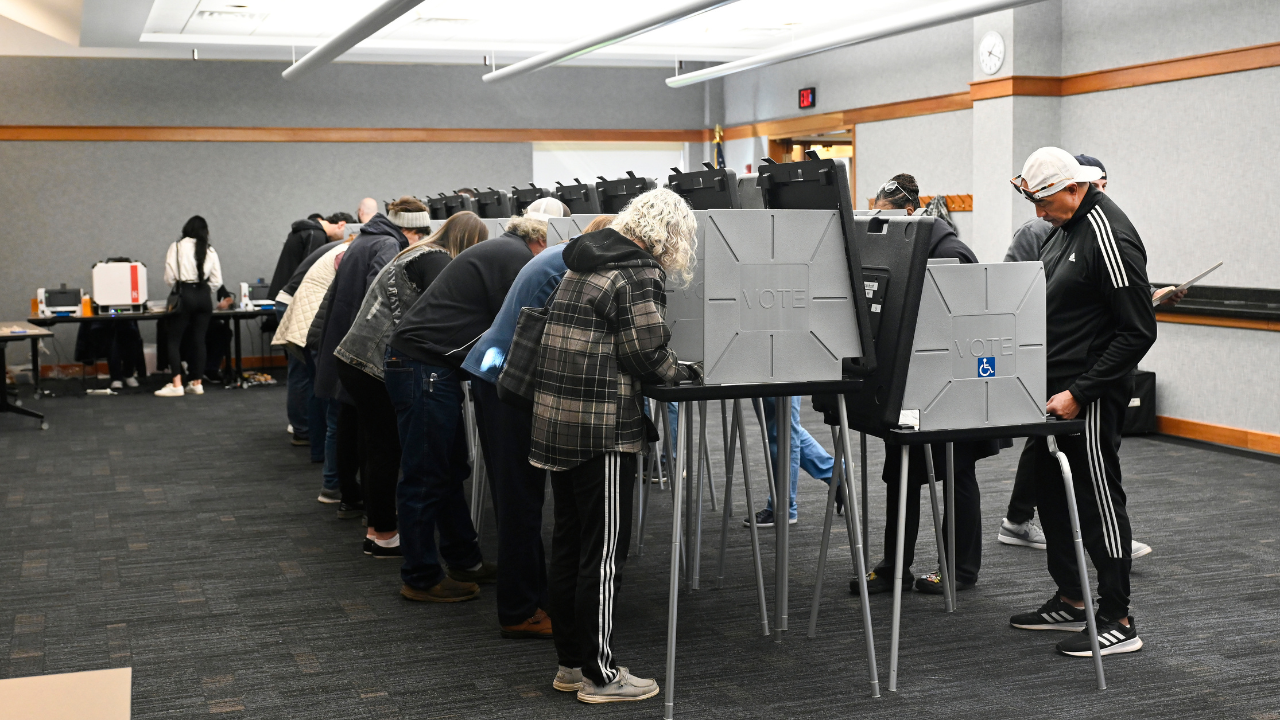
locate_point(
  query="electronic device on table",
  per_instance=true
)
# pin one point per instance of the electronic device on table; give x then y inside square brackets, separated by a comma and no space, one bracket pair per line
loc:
[253,296]
[120,287]
[60,302]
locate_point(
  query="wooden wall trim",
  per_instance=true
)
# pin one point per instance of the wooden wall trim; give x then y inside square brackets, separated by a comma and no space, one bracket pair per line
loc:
[122,133]
[909,108]
[1216,321]
[1222,62]
[1220,434]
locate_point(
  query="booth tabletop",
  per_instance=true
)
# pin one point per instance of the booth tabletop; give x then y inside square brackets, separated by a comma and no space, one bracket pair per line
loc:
[694,393]
[1052,426]
[21,330]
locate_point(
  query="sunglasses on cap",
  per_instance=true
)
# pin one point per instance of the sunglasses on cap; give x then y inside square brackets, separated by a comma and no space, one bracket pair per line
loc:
[1040,193]
[893,188]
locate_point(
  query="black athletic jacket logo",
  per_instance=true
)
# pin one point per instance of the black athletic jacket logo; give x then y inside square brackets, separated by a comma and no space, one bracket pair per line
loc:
[1098,308]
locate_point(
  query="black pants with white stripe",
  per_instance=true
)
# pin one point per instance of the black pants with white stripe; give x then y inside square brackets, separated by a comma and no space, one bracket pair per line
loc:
[593,529]
[1104,519]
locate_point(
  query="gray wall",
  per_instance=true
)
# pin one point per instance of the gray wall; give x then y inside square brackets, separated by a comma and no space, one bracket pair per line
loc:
[69,204]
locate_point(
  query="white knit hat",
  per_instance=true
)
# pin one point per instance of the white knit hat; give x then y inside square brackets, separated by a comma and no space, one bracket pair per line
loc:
[412,220]
[545,208]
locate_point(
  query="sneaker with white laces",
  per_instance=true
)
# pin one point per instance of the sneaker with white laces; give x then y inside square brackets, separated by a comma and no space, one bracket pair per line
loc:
[624,688]
[170,391]
[1026,534]
[194,389]
[567,679]
[1137,550]
[1114,637]
[131,382]
[117,385]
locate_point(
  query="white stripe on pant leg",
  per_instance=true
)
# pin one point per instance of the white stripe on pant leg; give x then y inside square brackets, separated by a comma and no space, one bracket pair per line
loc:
[1098,471]
[604,612]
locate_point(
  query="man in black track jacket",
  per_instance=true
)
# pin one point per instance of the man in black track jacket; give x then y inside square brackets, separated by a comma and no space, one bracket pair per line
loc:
[1100,323]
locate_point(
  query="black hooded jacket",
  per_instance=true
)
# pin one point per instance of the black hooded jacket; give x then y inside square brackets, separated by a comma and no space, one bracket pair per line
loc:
[304,238]
[379,241]
[462,302]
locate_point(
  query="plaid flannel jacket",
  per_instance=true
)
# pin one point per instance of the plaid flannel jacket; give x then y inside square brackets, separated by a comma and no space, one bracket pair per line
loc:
[604,336]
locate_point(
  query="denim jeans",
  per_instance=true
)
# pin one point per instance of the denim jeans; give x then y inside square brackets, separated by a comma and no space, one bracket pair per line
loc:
[317,415]
[330,444]
[805,451]
[433,460]
[299,393]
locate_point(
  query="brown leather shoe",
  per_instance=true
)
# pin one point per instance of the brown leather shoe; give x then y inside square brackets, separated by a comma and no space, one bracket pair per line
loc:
[448,590]
[538,626]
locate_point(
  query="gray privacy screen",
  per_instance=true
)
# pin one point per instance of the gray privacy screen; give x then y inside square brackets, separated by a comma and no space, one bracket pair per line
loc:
[978,357]
[561,230]
[775,298]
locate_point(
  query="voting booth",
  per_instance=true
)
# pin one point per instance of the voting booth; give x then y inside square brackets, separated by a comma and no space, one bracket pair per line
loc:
[562,230]
[522,198]
[442,206]
[496,226]
[614,195]
[710,189]
[580,198]
[494,204]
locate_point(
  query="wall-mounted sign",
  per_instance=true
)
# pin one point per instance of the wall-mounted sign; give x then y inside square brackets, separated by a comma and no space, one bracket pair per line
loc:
[808,98]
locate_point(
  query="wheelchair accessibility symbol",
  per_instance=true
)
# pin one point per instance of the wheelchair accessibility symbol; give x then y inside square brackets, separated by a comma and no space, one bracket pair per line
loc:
[986,367]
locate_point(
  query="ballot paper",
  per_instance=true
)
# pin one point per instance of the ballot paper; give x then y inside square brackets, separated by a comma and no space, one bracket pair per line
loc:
[1160,297]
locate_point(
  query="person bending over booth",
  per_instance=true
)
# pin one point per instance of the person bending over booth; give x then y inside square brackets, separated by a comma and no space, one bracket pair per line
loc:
[1100,323]
[604,336]
[518,487]
[360,357]
[902,192]
[424,377]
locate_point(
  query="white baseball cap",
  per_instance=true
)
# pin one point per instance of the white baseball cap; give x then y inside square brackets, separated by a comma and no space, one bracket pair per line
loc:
[544,208]
[1051,169]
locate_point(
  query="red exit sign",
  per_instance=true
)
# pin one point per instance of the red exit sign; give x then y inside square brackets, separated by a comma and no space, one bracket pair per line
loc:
[808,98]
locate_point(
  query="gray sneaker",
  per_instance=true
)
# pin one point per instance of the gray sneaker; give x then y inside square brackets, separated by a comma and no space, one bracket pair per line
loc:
[1026,534]
[568,679]
[624,688]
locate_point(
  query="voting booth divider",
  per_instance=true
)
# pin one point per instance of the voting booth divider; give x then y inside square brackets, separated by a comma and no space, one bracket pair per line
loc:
[579,198]
[522,198]
[614,195]
[493,204]
[562,230]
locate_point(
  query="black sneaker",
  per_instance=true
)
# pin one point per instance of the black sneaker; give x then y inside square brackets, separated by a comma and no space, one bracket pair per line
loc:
[1113,638]
[299,440]
[840,503]
[879,581]
[346,510]
[1053,615]
[378,551]
[485,574]
[764,519]
[931,584]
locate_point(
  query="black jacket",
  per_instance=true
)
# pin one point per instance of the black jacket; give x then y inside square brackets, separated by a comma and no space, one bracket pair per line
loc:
[462,302]
[304,237]
[1098,312]
[378,243]
[300,272]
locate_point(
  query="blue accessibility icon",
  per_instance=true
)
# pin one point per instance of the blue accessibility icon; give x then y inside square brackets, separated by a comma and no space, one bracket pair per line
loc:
[986,367]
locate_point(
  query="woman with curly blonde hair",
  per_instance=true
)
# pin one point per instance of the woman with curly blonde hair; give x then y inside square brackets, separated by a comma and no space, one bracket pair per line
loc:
[604,336]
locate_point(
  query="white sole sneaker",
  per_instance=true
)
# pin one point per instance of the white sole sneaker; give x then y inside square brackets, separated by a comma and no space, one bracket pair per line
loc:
[1127,646]
[169,391]
[601,699]
[1138,549]
[1063,626]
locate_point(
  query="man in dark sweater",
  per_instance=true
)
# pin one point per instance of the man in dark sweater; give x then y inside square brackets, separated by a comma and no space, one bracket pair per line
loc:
[1100,323]
[424,376]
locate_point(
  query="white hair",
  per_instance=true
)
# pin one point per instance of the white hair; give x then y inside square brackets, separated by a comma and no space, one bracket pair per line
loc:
[663,222]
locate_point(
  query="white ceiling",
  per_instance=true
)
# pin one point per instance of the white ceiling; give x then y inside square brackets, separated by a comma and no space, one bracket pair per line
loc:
[462,32]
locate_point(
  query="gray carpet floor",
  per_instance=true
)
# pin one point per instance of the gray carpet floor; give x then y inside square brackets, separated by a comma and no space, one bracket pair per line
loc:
[182,538]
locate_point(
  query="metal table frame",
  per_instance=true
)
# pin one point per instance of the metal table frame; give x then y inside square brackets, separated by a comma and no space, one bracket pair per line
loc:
[34,334]
[684,396]
[946,551]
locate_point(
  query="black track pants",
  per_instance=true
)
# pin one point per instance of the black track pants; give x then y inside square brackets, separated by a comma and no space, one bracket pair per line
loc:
[593,529]
[1104,520]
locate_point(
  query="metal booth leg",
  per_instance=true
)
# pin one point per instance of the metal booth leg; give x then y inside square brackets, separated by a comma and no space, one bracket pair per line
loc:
[947,598]
[782,509]
[673,589]
[837,477]
[740,420]
[696,506]
[951,521]
[1090,621]
[857,547]
[897,571]
[705,453]
[866,541]
[758,405]
[730,440]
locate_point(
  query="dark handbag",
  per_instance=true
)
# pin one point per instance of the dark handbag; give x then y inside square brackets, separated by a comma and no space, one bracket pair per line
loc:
[519,373]
[174,305]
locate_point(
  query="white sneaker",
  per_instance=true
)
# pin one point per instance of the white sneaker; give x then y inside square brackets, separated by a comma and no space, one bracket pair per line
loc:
[193,389]
[1026,534]
[626,687]
[116,385]
[131,382]
[289,429]
[1138,549]
[170,391]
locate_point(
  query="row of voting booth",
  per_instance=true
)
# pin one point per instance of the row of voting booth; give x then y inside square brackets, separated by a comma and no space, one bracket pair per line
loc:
[795,293]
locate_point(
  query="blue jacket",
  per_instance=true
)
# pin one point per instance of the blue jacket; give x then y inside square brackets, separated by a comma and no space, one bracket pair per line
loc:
[535,283]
